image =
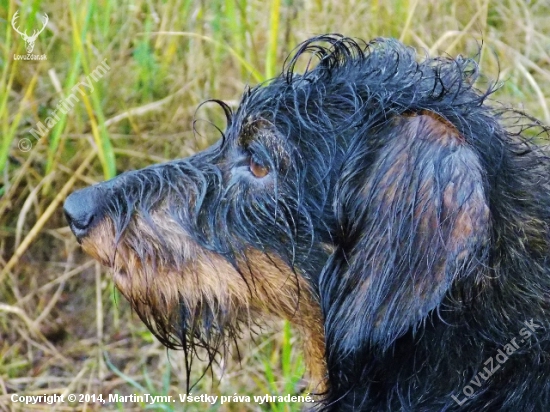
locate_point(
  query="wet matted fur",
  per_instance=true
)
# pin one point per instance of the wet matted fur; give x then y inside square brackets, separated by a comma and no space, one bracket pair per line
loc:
[378,203]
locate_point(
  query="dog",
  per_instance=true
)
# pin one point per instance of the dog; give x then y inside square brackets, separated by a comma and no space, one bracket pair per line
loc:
[379,203]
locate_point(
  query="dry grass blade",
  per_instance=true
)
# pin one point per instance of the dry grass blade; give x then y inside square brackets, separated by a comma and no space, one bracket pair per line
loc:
[46,216]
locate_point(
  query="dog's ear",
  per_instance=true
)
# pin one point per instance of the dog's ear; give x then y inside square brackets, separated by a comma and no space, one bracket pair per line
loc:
[413,218]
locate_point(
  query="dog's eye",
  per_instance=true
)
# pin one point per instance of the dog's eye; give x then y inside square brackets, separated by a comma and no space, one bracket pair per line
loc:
[257,168]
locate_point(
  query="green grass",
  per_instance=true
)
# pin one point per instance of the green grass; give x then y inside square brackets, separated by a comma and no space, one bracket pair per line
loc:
[59,317]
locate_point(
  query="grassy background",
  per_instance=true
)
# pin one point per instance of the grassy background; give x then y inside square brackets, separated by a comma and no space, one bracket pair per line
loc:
[63,327]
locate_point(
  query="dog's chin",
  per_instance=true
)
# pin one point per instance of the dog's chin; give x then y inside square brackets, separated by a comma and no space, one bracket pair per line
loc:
[98,254]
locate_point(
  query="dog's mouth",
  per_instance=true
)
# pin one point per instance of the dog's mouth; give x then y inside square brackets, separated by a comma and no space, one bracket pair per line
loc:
[99,243]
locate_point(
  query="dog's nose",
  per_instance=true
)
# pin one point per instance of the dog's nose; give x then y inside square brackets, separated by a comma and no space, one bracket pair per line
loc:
[82,211]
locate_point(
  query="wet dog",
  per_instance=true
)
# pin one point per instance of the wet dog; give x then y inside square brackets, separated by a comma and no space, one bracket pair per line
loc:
[378,203]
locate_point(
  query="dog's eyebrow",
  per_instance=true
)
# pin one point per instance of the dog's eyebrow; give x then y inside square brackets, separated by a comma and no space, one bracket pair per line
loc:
[264,131]
[252,127]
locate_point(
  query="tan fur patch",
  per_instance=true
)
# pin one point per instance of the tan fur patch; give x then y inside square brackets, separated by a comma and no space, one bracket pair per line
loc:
[266,285]
[445,209]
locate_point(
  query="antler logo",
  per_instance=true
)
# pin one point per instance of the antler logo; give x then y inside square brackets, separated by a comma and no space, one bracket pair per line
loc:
[29,40]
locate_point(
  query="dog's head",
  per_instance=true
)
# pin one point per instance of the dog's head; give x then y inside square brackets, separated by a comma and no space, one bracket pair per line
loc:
[350,199]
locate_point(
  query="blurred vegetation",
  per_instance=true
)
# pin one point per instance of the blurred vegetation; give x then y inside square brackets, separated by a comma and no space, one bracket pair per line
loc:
[63,327]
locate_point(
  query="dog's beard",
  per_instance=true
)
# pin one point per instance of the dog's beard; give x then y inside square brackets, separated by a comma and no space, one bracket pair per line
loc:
[196,300]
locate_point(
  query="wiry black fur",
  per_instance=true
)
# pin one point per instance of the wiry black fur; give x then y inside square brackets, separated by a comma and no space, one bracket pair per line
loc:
[439,303]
